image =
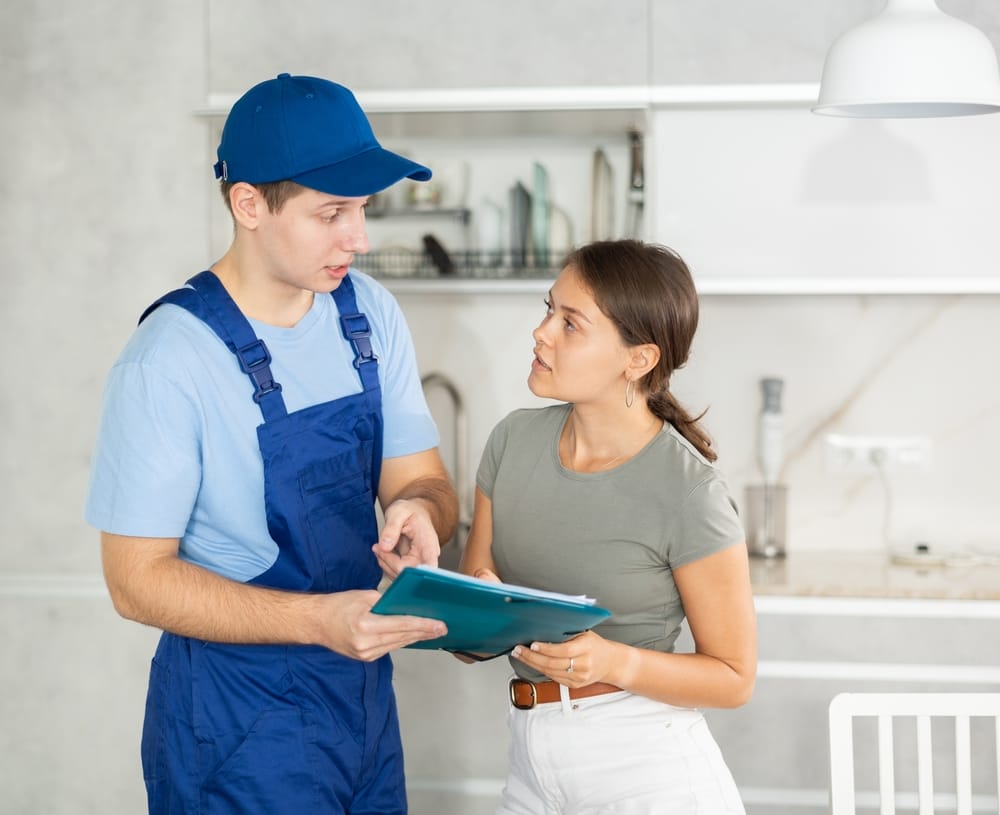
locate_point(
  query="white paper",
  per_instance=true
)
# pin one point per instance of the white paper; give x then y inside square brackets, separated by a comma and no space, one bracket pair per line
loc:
[523,591]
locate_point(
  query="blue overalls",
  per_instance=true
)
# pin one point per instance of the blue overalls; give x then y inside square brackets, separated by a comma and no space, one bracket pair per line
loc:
[271,728]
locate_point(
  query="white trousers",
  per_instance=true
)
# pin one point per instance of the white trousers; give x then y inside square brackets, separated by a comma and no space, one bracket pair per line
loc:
[616,754]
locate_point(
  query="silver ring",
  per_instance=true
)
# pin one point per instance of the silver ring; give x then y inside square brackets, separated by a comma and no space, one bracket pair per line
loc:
[569,670]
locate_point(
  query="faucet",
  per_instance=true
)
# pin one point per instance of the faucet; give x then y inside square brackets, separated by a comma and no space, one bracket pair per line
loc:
[460,448]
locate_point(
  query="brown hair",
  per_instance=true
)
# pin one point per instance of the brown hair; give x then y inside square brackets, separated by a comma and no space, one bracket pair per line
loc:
[275,193]
[647,291]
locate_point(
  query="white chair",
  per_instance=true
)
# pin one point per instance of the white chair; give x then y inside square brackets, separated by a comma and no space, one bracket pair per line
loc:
[962,708]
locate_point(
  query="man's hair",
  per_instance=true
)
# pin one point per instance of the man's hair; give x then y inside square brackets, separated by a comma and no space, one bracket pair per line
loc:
[275,193]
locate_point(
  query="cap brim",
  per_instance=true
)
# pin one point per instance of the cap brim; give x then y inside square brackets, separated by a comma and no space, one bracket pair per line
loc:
[363,174]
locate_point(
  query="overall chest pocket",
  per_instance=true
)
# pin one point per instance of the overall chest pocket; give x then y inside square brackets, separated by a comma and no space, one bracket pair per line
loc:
[338,478]
[339,500]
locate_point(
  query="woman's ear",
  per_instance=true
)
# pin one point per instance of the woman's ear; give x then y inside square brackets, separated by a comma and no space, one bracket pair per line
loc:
[244,200]
[642,359]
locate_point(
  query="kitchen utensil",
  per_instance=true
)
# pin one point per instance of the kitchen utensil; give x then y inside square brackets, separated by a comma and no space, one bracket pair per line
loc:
[439,255]
[770,430]
[540,213]
[636,193]
[490,221]
[601,198]
[560,234]
[769,539]
[520,220]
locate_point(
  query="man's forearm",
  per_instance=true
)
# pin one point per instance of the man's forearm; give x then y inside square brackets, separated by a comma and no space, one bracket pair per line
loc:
[163,591]
[150,584]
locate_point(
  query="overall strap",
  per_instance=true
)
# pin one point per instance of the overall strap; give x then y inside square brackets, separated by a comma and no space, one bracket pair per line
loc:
[209,301]
[358,333]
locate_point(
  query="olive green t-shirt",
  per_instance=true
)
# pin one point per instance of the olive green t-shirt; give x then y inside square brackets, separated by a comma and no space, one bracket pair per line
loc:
[615,535]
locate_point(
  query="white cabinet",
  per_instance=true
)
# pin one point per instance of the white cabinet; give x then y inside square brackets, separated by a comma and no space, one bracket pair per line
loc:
[773,197]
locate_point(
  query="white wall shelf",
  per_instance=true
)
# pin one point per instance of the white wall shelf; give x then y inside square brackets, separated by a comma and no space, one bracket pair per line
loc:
[491,112]
[717,287]
[498,285]
[568,98]
[541,111]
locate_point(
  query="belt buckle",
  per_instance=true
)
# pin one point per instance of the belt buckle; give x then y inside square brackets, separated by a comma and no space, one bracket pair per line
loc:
[513,695]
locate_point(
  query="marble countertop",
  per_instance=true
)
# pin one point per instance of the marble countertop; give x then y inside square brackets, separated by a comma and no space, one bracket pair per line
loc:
[875,575]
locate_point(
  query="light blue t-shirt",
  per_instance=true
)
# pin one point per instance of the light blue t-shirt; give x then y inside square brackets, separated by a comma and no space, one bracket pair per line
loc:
[177,453]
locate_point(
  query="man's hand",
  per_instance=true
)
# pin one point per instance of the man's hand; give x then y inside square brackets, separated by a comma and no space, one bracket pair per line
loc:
[420,510]
[408,538]
[350,628]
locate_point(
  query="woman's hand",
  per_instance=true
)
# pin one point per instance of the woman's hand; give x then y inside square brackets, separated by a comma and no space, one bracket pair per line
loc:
[721,671]
[591,657]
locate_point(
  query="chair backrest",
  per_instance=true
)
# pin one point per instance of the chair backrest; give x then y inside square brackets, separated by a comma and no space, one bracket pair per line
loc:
[963,709]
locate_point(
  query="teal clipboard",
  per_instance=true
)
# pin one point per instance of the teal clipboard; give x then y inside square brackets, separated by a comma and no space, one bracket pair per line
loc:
[485,617]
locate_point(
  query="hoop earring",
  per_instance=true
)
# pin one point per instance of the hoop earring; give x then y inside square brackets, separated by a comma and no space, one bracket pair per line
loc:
[629,392]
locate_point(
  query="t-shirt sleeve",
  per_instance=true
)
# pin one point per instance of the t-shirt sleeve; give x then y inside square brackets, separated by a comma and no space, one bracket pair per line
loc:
[489,463]
[146,465]
[408,424]
[707,523]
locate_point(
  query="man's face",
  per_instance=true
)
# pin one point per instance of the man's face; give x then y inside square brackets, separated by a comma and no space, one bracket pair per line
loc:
[312,240]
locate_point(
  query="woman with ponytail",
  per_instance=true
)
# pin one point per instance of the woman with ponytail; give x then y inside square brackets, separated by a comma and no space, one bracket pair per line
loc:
[612,493]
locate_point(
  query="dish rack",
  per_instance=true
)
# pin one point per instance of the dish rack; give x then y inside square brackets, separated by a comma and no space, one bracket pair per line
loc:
[467,265]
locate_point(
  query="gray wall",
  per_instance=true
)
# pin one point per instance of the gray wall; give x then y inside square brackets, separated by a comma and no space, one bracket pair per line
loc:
[107,201]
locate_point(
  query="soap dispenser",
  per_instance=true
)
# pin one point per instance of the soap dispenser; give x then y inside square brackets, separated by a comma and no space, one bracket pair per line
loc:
[766,502]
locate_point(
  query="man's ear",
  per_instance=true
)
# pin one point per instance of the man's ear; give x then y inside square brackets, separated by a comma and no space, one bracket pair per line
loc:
[642,359]
[245,201]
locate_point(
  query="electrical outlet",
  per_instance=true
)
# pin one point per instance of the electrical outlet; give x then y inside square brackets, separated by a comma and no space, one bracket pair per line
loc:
[868,454]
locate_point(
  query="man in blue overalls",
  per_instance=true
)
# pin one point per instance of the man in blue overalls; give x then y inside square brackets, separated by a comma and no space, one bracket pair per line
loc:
[248,428]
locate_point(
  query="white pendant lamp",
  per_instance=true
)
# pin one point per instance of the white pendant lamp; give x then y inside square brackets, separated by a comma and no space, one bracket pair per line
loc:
[910,61]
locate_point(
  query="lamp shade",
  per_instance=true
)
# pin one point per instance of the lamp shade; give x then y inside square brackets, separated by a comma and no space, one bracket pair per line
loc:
[910,61]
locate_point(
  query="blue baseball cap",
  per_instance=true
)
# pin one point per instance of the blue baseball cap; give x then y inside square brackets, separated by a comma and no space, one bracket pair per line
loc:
[310,131]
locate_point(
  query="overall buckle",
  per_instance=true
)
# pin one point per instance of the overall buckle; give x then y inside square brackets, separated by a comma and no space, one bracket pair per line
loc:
[358,332]
[255,362]
[512,689]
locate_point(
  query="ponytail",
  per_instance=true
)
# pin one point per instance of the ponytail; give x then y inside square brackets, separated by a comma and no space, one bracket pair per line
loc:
[666,407]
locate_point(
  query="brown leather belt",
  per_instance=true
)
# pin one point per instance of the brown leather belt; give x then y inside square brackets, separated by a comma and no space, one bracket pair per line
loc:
[524,695]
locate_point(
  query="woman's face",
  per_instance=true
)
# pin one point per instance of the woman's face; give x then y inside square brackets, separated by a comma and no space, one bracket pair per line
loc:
[579,354]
